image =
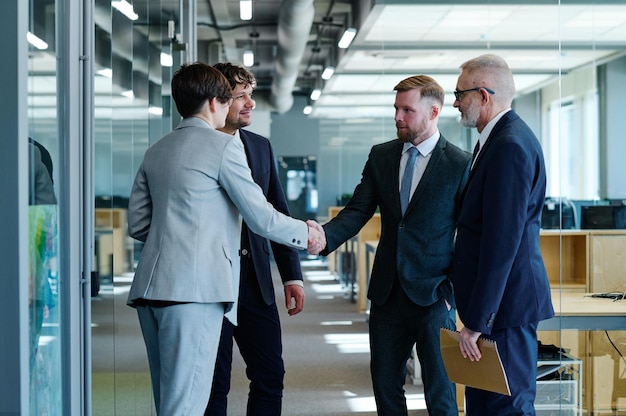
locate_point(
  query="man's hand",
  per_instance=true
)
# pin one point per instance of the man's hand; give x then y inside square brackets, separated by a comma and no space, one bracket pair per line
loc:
[468,343]
[317,238]
[294,299]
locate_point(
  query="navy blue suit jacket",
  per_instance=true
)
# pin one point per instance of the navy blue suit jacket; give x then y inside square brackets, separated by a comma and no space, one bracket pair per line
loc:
[262,163]
[499,277]
[416,247]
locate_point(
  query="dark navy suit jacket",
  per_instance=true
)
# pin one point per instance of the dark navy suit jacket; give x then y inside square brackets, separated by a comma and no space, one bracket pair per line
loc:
[499,277]
[262,163]
[416,247]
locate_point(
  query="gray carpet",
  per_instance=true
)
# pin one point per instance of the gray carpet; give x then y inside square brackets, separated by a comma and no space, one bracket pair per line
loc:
[326,354]
[325,350]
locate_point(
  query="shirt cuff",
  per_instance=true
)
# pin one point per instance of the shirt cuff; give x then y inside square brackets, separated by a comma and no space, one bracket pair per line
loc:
[294,282]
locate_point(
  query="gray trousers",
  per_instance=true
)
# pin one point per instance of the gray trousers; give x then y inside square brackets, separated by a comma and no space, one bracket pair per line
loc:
[181,341]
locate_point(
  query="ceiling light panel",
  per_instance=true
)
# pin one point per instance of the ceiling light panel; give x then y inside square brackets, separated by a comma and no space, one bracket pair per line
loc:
[492,23]
[245,9]
[544,60]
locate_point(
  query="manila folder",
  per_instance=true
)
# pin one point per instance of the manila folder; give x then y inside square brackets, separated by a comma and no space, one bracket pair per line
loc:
[485,374]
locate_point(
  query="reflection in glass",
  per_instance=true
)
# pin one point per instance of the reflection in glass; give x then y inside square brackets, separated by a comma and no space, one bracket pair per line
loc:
[44,354]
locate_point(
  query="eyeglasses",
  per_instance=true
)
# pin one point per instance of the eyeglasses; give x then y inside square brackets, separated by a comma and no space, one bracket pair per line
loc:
[459,94]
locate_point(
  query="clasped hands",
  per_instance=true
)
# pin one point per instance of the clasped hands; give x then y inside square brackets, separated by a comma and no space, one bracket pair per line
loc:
[317,238]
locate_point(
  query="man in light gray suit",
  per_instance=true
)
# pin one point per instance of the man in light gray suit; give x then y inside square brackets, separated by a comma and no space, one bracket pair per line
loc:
[185,204]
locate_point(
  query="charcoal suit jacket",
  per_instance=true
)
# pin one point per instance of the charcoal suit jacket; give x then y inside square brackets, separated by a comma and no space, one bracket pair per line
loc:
[416,247]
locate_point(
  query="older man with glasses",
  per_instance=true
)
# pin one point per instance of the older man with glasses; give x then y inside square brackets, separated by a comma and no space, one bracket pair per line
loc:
[500,282]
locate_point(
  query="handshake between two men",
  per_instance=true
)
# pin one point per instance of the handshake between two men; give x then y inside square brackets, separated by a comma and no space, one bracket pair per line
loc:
[317,238]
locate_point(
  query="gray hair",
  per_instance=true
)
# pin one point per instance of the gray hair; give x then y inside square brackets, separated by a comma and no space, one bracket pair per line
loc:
[491,71]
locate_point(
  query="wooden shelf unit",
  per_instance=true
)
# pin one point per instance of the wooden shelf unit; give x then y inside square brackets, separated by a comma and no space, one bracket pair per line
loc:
[113,248]
[566,257]
[589,261]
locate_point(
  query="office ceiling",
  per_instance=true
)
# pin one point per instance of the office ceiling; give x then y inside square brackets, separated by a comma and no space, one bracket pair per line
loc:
[399,38]
[294,40]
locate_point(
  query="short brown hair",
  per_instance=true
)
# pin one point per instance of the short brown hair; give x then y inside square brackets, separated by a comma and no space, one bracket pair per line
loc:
[236,75]
[429,88]
[194,84]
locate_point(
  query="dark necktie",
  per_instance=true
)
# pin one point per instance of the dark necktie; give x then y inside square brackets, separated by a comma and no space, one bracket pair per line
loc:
[405,185]
[476,149]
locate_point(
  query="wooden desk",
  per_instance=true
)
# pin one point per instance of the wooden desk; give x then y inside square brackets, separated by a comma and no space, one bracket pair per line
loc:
[573,310]
[585,318]
[582,312]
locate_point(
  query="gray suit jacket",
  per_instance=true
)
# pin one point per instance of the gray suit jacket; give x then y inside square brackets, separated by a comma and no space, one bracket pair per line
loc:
[185,205]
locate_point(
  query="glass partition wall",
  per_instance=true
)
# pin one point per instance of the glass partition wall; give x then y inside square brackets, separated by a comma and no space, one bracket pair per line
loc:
[132,61]
[571,79]
[45,271]
[583,255]
[133,64]
[569,62]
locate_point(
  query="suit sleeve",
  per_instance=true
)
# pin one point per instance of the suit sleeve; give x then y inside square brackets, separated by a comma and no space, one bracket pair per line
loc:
[260,216]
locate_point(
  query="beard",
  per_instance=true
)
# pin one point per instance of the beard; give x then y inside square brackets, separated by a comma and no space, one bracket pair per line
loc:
[469,117]
[236,122]
[406,136]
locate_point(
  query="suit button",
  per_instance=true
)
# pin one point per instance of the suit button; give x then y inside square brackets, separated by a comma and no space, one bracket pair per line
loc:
[298,242]
[244,252]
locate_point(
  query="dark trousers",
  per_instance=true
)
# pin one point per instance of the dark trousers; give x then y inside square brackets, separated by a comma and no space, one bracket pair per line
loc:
[258,337]
[394,328]
[518,352]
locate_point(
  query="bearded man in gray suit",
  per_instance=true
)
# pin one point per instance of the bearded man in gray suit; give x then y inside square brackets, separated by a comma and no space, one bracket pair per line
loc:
[185,204]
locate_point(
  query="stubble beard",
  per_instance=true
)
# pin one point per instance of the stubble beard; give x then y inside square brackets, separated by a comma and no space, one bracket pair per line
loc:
[469,118]
[236,123]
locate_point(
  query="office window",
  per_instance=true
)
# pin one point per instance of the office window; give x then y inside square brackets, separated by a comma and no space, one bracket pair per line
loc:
[572,156]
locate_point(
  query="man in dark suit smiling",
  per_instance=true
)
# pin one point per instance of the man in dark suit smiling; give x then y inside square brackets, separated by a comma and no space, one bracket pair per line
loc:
[410,289]
[500,281]
[258,334]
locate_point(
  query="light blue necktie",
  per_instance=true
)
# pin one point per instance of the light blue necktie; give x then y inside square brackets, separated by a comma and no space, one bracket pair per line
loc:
[407,178]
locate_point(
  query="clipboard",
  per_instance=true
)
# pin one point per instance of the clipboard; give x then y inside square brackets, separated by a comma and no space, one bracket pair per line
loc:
[485,374]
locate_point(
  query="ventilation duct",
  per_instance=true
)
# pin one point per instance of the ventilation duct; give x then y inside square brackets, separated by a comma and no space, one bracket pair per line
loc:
[294,26]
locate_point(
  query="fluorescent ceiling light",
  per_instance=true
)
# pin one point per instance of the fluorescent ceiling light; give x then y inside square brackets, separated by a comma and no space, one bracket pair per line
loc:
[125,8]
[245,9]
[315,94]
[128,94]
[248,58]
[328,72]
[166,59]
[346,38]
[36,41]
[106,72]
[307,110]
[157,111]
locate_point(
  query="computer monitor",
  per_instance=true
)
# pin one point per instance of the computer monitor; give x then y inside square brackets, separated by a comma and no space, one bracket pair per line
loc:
[558,213]
[603,217]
